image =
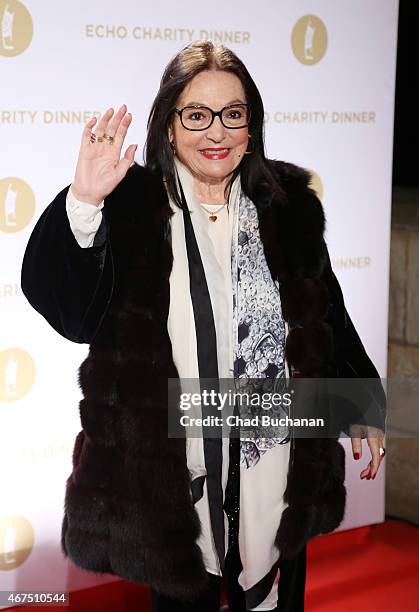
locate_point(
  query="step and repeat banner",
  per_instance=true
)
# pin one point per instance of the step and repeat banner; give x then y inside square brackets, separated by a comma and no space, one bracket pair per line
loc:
[326,72]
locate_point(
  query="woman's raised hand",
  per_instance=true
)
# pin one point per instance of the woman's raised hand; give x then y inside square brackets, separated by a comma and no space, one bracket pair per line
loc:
[99,166]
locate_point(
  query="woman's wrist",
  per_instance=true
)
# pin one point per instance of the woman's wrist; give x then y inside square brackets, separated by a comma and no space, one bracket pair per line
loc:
[88,199]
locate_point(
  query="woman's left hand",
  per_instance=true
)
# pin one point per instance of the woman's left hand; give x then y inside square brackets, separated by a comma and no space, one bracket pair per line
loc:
[375,440]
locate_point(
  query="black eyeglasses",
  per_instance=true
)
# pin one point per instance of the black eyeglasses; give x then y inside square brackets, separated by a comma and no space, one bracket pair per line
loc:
[197,117]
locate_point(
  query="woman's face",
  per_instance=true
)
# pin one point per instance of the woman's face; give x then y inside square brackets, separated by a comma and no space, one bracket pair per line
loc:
[212,154]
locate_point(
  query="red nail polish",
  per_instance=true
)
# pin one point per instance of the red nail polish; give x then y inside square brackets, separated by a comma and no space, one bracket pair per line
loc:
[374,476]
[356,455]
[368,477]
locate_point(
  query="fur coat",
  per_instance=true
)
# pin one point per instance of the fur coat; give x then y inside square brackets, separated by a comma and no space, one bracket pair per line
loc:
[128,507]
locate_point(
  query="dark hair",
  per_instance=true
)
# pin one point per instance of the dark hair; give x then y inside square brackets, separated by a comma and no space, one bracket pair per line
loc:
[254,169]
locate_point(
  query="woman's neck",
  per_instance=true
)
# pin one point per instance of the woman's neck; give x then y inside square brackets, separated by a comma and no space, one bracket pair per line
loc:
[210,193]
[207,191]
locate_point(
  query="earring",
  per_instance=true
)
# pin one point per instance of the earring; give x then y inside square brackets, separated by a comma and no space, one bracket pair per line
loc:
[172,144]
[252,148]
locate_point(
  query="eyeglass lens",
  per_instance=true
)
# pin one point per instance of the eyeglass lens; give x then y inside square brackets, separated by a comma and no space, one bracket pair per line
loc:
[200,118]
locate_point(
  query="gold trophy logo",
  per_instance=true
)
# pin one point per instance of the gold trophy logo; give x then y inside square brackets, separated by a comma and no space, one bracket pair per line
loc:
[16,541]
[316,184]
[16,28]
[17,374]
[309,40]
[17,204]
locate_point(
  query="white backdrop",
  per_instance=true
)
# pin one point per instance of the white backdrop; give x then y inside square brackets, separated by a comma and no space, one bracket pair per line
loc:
[326,71]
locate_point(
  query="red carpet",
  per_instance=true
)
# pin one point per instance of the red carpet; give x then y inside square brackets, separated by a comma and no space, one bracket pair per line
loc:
[369,569]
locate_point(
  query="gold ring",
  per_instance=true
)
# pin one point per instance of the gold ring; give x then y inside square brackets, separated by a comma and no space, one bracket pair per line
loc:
[382,451]
[94,138]
[110,139]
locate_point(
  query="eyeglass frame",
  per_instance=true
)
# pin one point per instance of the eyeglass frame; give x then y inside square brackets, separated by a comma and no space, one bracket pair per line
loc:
[214,114]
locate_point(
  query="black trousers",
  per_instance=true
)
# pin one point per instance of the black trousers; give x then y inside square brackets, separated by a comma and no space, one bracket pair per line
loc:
[290,592]
[292,572]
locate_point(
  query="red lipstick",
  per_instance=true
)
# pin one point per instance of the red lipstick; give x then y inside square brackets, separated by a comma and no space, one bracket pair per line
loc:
[215,153]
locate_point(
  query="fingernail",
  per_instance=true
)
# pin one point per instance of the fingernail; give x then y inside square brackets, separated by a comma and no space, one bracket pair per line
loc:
[374,476]
[368,477]
[356,455]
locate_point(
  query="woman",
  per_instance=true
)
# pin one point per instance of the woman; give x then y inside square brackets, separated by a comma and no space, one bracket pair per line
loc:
[209,262]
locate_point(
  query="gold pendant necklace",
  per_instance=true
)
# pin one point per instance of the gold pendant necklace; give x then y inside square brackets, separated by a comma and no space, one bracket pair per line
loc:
[213,213]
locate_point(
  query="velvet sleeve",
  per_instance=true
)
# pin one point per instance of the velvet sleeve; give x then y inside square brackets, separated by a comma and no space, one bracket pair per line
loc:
[68,285]
[352,362]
